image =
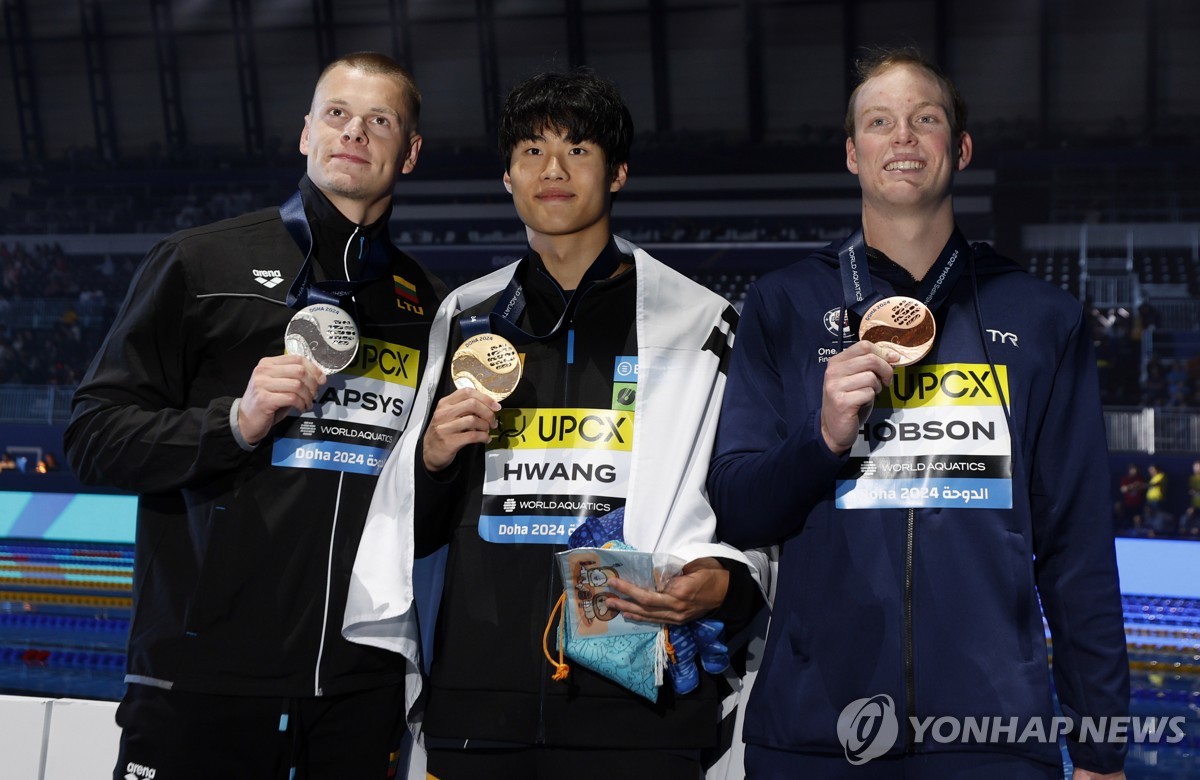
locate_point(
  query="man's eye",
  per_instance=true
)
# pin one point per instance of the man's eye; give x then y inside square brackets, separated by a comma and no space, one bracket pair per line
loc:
[578,150]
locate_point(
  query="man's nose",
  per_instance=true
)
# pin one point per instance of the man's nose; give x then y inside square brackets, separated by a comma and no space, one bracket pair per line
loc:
[354,130]
[552,169]
[904,132]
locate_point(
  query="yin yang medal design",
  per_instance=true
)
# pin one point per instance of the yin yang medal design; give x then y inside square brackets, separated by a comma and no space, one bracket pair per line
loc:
[488,363]
[901,324]
[325,334]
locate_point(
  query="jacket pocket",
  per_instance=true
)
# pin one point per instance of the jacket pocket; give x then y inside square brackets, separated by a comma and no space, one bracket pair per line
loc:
[223,571]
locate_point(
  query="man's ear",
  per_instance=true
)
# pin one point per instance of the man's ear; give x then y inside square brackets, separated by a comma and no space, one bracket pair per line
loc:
[414,149]
[507,183]
[619,177]
[965,147]
[304,137]
[851,157]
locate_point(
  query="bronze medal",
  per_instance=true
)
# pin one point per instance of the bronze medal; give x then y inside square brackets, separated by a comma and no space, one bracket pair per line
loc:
[902,324]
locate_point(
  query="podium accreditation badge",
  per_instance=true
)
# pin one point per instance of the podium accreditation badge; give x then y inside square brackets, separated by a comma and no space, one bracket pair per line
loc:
[325,334]
[488,363]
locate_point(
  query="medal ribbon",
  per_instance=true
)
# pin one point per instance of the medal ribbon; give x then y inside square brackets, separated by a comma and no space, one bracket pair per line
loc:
[304,291]
[859,292]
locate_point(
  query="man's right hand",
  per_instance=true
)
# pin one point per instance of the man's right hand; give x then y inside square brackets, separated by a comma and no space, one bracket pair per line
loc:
[464,417]
[277,385]
[853,378]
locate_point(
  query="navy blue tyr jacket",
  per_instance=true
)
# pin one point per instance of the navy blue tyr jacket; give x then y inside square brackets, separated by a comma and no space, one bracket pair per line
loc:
[931,600]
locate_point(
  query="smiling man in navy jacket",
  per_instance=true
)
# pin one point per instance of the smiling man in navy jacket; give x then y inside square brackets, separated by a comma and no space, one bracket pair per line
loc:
[923,503]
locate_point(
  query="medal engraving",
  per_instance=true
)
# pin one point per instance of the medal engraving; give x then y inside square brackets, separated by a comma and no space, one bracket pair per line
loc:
[901,324]
[488,363]
[324,334]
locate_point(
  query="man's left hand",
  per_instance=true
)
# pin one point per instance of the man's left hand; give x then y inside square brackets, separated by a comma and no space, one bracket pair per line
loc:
[1083,774]
[693,593]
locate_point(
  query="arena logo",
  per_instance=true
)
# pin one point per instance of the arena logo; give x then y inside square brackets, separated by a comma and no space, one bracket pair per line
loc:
[868,728]
[267,279]
[138,772]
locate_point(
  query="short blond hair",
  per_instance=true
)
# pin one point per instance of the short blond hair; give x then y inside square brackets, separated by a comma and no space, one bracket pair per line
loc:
[878,61]
[383,65]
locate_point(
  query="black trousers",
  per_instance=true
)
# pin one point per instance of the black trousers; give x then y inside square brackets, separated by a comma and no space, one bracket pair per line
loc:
[182,735]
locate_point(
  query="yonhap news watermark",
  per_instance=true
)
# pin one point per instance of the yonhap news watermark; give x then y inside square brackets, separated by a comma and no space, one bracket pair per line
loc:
[868,728]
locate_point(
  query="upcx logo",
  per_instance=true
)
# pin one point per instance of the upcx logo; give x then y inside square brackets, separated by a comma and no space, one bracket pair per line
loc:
[867,728]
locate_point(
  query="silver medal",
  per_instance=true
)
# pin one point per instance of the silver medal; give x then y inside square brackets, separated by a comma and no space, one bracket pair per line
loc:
[324,334]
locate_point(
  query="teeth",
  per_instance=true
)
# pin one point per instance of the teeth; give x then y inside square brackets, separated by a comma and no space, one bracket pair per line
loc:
[904,165]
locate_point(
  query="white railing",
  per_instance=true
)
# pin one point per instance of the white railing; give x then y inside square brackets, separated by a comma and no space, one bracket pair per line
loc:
[1133,429]
[35,404]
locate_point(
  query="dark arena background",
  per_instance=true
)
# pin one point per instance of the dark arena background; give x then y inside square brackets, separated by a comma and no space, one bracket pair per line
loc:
[127,120]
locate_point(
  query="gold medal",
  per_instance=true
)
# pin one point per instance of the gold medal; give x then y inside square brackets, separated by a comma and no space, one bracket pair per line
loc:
[488,363]
[901,324]
[324,334]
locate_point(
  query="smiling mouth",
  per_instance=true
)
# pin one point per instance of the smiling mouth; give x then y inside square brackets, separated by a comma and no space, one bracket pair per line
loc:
[904,165]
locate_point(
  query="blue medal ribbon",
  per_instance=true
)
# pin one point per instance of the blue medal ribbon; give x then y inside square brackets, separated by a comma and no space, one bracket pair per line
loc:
[858,291]
[304,291]
[503,318]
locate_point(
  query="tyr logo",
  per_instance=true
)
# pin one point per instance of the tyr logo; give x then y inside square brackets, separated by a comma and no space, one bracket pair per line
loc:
[1002,337]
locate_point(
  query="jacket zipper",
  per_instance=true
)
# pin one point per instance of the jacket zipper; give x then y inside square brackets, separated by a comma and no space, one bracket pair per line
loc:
[337,507]
[554,579]
[910,675]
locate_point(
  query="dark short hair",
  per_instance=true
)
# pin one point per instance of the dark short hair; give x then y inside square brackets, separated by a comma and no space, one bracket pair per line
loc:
[383,65]
[578,103]
[878,61]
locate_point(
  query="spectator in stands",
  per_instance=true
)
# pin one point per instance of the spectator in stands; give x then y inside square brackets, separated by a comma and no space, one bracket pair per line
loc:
[1156,495]
[48,464]
[1148,316]
[1194,486]
[1138,529]
[1154,388]
[38,355]
[252,504]
[7,462]
[1189,523]
[1178,383]
[1133,495]
[920,594]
